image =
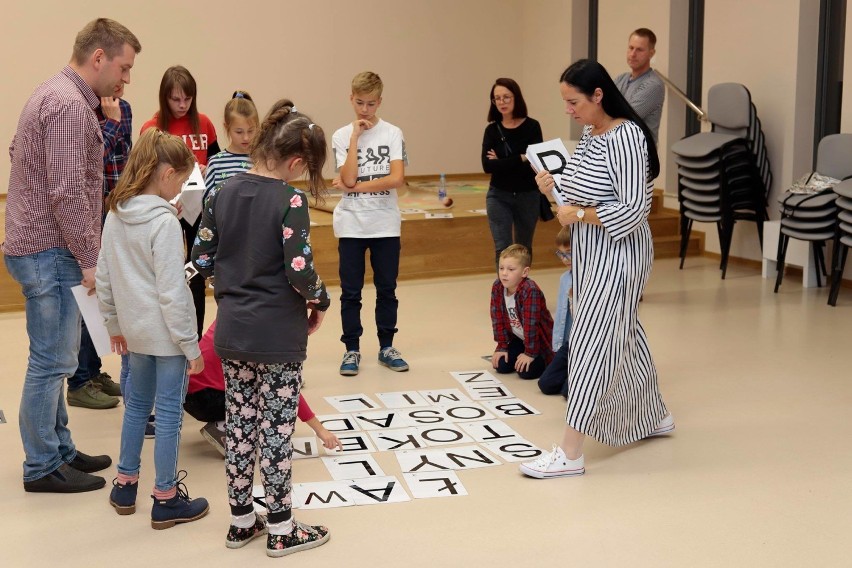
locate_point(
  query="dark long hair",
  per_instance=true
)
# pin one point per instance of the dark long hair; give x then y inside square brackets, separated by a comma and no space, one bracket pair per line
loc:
[179,77]
[520,108]
[586,75]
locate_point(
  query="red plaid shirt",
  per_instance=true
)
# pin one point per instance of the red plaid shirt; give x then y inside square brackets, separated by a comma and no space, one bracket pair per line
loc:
[117,144]
[56,181]
[533,313]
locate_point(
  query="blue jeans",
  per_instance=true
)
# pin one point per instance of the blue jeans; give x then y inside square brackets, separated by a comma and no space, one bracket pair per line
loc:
[53,327]
[162,379]
[124,377]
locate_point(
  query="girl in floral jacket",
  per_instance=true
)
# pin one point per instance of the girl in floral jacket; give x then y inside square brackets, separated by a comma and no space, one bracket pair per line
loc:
[255,237]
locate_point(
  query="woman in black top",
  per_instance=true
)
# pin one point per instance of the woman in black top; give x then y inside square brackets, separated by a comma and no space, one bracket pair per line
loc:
[512,201]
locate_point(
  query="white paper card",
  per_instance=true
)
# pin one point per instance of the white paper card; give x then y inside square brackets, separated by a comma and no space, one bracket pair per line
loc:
[514,450]
[444,396]
[338,423]
[509,407]
[378,490]
[443,435]
[352,402]
[402,399]
[489,430]
[478,377]
[94,320]
[552,156]
[438,215]
[382,419]
[395,440]
[191,195]
[461,457]
[354,443]
[352,467]
[427,485]
[305,447]
[322,495]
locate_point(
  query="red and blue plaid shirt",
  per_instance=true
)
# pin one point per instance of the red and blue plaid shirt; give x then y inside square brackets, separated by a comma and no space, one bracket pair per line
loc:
[117,144]
[533,313]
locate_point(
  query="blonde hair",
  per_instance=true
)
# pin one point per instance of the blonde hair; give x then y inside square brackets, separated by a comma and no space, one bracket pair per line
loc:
[287,133]
[367,83]
[519,253]
[153,148]
[241,104]
[105,34]
[563,237]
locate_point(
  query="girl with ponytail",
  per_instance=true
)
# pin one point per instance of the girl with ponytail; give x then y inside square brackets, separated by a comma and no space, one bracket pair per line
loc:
[148,311]
[255,237]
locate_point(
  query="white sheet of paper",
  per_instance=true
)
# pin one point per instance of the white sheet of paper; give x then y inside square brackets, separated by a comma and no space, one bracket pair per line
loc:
[551,155]
[94,320]
[429,484]
[478,376]
[514,450]
[488,392]
[442,459]
[402,399]
[353,443]
[478,211]
[443,435]
[484,431]
[352,467]
[322,495]
[509,407]
[378,490]
[438,216]
[395,440]
[444,396]
[359,402]
[305,447]
[191,195]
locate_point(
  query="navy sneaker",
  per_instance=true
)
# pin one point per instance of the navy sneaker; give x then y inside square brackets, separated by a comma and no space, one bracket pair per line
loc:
[123,497]
[349,366]
[166,513]
[392,359]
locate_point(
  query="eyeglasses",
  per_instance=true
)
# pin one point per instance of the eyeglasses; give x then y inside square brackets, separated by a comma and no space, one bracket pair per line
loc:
[563,255]
[503,99]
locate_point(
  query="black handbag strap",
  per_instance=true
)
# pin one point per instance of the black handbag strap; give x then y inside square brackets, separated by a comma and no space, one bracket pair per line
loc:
[503,140]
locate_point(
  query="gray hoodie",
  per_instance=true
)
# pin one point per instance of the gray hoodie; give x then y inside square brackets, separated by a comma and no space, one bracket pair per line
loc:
[140,279]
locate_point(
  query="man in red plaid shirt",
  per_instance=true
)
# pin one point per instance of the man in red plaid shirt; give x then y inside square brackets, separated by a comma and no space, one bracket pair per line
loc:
[53,227]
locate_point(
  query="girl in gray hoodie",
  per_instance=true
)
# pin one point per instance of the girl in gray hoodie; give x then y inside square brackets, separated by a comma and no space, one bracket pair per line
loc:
[149,312]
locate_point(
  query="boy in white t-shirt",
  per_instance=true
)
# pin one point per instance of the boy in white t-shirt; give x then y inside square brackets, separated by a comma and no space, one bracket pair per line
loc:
[371,159]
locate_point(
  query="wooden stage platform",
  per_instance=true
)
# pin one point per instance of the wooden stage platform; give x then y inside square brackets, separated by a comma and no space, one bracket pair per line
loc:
[436,246]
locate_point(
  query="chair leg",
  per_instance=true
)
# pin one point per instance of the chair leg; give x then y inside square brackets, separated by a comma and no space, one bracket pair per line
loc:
[720,230]
[685,231]
[837,274]
[782,254]
[815,245]
[760,230]
[726,251]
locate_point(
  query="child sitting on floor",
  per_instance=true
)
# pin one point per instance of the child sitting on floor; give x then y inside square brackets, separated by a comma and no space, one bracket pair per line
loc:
[523,327]
[555,377]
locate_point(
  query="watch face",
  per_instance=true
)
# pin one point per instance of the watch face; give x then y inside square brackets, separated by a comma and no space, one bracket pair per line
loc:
[581,213]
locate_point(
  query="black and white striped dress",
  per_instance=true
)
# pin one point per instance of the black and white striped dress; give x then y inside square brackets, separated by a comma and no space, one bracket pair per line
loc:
[612,382]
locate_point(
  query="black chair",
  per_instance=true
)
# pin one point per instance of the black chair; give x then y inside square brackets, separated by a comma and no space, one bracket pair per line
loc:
[842,238]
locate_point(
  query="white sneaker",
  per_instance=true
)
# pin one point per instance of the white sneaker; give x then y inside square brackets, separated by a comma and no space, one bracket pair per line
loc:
[554,464]
[665,426]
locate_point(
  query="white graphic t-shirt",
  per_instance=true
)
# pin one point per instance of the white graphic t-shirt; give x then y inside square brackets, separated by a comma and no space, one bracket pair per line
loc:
[369,215]
[514,320]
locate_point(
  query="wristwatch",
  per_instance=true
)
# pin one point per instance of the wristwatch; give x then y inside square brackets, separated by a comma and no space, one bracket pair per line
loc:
[580,214]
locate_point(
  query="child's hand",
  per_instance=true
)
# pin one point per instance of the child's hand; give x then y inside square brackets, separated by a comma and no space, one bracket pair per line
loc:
[118,344]
[196,366]
[359,126]
[495,359]
[329,440]
[522,365]
[337,183]
[315,318]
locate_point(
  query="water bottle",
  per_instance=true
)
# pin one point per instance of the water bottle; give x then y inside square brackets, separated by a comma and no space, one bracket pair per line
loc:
[442,188]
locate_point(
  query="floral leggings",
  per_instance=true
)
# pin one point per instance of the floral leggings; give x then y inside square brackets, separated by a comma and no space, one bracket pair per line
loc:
[261,401]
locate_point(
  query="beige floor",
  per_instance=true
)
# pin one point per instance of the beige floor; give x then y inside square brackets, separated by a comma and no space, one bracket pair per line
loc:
[756,474]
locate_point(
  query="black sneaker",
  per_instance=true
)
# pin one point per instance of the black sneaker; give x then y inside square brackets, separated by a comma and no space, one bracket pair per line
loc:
[66,479]
[123,497]
[90,464]
[215,436]
[166,513]
[303,537]
[238,538]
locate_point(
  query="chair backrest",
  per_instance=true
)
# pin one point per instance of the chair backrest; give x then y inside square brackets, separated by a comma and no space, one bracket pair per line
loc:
[729,108]
[834,156]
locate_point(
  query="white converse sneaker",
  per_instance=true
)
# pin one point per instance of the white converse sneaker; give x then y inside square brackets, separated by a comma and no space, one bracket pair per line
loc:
[554,464]
[665,426]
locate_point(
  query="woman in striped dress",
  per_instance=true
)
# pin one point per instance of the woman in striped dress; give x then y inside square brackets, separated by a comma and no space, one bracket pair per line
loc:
[612,382]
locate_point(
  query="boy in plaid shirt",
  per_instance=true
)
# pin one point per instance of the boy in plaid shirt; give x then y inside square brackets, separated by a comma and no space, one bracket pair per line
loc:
[523,326]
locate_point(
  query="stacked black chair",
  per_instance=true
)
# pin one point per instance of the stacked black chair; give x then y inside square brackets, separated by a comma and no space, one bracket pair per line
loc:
[842,237]
[813,216]
[723,175]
